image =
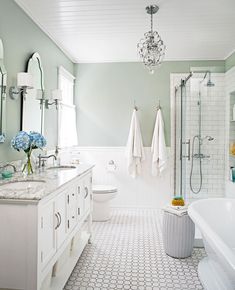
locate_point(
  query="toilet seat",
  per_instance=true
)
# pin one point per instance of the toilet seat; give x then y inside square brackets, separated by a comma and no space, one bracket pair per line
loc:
[104,189]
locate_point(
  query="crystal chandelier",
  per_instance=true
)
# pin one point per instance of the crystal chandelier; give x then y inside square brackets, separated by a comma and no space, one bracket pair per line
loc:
[151,48]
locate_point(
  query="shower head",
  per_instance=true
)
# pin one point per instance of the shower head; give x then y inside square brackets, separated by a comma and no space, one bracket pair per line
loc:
[209,83]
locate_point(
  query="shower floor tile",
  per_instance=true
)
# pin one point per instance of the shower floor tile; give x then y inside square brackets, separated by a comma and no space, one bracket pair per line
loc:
[127,253]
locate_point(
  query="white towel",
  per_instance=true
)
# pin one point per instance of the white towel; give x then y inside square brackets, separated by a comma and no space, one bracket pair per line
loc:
[134,148]
[158,148]
[177,210]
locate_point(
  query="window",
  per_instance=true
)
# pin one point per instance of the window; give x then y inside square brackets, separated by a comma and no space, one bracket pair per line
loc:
[67,129]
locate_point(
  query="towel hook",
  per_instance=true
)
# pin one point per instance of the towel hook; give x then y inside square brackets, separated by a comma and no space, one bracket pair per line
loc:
[159,105]
[135,107]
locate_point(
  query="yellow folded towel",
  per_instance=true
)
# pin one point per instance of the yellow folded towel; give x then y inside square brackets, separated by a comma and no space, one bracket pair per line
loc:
[178,201]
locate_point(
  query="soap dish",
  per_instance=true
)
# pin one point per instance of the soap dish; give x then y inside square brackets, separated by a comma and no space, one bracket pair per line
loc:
[7,174]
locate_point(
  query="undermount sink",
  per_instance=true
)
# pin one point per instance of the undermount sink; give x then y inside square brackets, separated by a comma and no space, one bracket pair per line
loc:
[62,167]
[21,185]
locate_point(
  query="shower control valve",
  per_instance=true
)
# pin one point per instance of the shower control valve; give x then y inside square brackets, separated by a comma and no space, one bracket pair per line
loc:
[201,156]
[188,142]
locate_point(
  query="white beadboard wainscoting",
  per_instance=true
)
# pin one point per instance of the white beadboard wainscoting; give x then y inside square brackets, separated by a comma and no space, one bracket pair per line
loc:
[145,191]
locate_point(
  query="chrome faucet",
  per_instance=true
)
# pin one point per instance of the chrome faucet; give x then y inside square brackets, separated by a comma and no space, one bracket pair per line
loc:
[8,165]
[42,159]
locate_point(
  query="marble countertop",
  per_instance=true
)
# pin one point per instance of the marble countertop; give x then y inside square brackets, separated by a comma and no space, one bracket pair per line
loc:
[51,179]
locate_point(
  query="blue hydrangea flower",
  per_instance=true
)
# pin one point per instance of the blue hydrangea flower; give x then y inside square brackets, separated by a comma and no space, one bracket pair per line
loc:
[21,141]
[37,140]
[2,138]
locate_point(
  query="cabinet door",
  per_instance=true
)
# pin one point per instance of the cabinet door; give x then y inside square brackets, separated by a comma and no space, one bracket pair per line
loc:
[79,191]
[47,238]
[87,191]
[72,208]
[61,219]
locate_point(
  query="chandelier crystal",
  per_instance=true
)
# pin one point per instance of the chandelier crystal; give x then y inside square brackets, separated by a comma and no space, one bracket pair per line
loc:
[151,48]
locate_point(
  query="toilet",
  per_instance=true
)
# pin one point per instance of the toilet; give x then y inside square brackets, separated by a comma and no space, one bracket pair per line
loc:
[102,195]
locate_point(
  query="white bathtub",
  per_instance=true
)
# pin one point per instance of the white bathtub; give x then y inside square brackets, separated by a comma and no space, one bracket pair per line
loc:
[215,218]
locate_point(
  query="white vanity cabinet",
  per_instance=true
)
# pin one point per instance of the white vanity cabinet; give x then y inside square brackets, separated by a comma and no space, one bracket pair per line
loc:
[40,257]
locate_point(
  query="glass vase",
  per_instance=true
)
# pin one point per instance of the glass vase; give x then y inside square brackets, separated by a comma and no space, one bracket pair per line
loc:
[28,168]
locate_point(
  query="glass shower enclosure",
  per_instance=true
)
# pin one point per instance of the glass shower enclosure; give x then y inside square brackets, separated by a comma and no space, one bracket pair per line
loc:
[198,149]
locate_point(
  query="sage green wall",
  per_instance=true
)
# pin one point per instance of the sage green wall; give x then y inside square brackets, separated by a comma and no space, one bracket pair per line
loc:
[230,62]
[105,94]
[21,37]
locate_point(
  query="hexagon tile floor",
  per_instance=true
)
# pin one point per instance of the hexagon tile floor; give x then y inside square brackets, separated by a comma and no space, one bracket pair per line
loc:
[127,253]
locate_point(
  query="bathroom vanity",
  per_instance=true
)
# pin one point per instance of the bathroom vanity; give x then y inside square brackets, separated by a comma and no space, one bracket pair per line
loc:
[45,223]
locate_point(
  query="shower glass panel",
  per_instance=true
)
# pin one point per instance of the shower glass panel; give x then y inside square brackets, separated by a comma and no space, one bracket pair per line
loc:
[199,136]
[182,144]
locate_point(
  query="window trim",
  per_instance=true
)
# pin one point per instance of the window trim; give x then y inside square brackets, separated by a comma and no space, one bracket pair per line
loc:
[63,72]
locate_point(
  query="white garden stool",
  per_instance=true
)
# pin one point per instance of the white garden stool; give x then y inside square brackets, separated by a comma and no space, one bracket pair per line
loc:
[178,234]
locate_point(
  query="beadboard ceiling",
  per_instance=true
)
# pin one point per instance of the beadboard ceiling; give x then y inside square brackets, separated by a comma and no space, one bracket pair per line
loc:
[108,30]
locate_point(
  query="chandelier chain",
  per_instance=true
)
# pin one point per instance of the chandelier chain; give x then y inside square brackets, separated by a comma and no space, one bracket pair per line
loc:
[151,19]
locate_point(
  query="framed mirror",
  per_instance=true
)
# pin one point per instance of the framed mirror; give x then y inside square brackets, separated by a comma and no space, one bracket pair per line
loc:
[32,112]
[3,83]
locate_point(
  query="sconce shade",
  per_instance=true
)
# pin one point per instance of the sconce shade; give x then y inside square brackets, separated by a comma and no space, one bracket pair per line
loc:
[56,95]
[25,80]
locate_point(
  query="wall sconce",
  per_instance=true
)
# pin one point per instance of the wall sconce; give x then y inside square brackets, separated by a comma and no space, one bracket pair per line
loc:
[24,82]
[40,95]
[56,96]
